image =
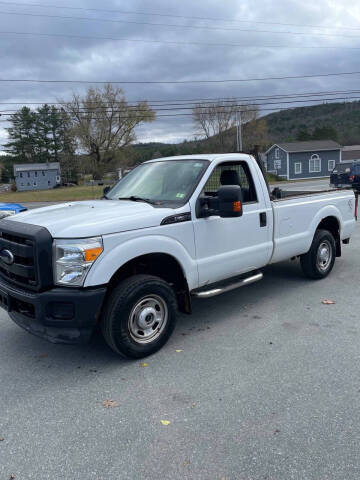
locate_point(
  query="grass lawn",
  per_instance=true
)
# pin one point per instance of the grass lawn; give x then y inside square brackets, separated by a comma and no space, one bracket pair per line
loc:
[54,195]
[271,178]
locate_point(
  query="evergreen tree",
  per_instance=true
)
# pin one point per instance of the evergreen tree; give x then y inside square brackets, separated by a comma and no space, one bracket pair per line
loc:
[325,133]
[40,136]
[303,135]
[22,136]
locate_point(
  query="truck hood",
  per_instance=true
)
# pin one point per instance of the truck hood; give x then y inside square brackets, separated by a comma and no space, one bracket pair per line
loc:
[92,218]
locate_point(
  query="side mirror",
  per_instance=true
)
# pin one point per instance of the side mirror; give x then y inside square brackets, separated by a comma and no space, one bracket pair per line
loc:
[106,189]
[230,201]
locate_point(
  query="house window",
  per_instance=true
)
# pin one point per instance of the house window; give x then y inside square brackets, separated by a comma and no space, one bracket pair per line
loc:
[43,173]
[277,153]
[298,168]
[28,173]
[331,165]
[35,174]
[315,164]
[20,174]
[277,164]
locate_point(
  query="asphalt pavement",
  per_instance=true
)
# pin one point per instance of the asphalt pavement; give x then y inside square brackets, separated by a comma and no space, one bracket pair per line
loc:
[261,383]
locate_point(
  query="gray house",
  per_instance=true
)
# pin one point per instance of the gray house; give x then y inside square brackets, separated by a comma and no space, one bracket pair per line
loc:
[297,160]
[37,176]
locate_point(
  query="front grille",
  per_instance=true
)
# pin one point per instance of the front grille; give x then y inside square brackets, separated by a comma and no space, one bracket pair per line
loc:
[30,246]
[23,269]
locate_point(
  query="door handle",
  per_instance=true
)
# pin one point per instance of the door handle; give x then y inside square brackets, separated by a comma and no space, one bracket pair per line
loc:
[263,219]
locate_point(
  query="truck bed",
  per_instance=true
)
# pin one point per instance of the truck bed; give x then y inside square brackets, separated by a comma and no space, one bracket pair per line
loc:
[286,194]
[296,216]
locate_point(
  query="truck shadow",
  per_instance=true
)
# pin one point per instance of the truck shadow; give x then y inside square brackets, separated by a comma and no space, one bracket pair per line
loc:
[285,276]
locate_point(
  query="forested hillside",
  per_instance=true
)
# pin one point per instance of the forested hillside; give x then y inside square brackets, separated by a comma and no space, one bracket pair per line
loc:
[332,121]
[344,118]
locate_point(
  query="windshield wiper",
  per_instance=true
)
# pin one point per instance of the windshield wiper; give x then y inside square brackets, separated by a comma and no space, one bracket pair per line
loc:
[134,198]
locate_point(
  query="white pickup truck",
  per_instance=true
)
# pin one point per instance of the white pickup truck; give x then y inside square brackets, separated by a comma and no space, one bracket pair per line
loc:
[172,229]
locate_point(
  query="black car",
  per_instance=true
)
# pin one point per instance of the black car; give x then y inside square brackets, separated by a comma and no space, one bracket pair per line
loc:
[346,175]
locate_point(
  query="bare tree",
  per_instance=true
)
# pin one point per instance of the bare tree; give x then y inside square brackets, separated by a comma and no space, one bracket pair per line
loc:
[103,122]
[216,120]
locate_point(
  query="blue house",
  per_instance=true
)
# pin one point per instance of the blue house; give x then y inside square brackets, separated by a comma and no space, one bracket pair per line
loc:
[299,160]
[37,176]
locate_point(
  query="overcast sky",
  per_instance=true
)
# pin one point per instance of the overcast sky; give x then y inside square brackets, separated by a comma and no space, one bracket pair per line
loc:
[50,58]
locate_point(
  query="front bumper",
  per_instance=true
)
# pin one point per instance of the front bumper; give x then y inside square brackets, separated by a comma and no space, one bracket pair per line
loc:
[61,315]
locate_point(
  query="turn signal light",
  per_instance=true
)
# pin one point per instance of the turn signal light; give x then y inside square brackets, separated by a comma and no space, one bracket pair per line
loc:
[237,206]
[351,178]
[91,254]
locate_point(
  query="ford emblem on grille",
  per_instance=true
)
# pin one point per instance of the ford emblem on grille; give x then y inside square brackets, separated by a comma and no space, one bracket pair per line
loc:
[6,256]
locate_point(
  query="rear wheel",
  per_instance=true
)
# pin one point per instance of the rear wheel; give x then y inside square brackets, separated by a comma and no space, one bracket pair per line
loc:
[320,259]
[140,315]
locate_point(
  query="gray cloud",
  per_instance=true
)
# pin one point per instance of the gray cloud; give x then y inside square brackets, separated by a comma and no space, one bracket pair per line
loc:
[94,59]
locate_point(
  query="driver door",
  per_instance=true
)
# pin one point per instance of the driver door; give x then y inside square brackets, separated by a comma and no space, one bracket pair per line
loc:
[226,247]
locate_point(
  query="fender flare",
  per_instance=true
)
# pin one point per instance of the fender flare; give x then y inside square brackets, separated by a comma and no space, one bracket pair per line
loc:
[106,266]
[325,212]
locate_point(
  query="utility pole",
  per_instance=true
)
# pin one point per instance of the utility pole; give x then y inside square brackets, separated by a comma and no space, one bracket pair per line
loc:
[238,132]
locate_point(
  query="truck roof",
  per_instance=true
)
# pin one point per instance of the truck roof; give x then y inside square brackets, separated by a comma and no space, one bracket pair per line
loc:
[211,157]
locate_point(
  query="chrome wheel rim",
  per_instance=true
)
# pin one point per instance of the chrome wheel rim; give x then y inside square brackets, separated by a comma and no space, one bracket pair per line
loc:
[324,255]
[148,319]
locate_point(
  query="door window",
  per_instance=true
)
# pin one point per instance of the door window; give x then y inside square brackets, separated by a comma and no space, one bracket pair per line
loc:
[232,173]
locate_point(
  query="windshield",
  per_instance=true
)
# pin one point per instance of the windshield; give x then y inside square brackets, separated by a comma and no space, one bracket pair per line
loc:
[342,168]
[163,182]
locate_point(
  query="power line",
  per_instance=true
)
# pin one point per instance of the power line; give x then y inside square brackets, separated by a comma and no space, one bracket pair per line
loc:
[132,12]
[273,110]
[190,114]
[160,82]
[166,42]
[87,111]
[154,103]
[172,25]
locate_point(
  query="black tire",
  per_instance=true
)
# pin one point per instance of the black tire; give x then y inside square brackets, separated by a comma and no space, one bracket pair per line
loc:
[313,263]
[141,298]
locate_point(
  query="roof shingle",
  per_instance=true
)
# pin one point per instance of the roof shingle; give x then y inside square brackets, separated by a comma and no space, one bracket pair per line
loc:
[310,146]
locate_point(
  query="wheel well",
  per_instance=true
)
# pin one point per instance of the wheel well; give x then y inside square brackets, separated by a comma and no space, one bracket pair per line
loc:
[331,224]
[161,265]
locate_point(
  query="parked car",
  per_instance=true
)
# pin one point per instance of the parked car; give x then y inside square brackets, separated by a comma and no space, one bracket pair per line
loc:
[346,175]
[7,209]
[172,229]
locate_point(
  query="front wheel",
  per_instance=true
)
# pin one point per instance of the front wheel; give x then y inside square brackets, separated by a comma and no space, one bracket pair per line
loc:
[320,259]
[139,316]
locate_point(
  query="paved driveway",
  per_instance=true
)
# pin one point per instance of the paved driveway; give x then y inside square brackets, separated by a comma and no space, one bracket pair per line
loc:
[266,385]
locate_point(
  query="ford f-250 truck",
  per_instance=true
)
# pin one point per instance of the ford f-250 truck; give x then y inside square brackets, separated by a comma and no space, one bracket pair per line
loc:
[172,229]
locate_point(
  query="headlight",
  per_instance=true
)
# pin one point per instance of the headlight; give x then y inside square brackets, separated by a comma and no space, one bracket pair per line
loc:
[74,258]
[6,213]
